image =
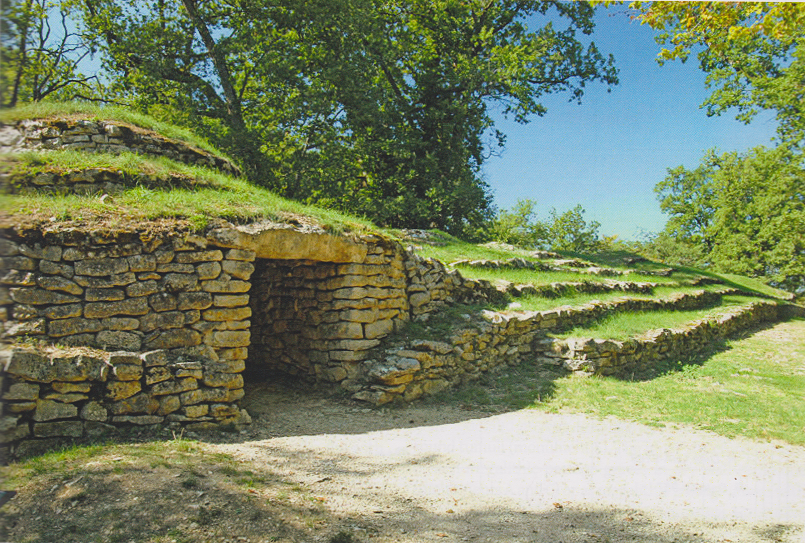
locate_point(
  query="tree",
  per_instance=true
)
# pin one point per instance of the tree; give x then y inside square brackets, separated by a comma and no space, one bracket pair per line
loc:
[753,53]
[687,197]
[519,226]
[754,206]
[38,61]
[378,107]
[570,232]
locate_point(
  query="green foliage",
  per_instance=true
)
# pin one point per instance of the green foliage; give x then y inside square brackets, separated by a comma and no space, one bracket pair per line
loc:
[40,53]
[563,232]
[376,107]
[752,52]
[570,232]
[519,226]
[754,212]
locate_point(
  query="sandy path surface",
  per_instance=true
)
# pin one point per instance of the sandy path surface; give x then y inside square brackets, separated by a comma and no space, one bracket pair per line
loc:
[434,473]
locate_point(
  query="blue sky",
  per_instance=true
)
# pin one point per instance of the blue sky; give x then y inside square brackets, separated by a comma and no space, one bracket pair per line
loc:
[608,153]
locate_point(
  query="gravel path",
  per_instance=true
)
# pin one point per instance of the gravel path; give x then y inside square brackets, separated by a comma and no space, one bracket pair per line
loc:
[433,473]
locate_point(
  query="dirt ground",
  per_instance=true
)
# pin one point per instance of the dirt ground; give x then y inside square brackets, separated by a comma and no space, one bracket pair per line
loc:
[318,469]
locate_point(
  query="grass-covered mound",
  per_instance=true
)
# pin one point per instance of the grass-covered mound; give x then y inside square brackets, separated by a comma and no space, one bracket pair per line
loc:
[158,189]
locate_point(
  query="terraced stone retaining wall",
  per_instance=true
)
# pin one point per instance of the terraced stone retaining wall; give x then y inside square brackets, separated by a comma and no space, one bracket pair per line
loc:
[50,398]
[104,137]
[622,358]
[410,369]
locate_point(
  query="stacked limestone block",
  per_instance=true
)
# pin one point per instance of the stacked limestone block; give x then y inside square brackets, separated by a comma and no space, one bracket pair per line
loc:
[88,181]
[104,137]
[173,294]
[320,320]
[589,356]
[410,369]
[50,398]
[431,287]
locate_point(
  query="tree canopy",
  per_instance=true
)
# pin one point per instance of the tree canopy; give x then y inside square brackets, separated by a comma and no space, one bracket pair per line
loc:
[376,107]
[753,53]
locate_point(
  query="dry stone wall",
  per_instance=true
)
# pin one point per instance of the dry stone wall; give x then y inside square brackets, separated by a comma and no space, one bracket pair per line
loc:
[48,399]
[621,358]
[410,369]
[104,137]
[176,294]
[320,320]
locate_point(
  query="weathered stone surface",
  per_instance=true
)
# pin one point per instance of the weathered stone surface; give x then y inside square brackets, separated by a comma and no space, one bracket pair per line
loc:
[142,263]
[378,329]
[141,403]
[118,280]
[50,410]
[231,339]
[72,326]
[31,366]
[194,300]
[200,395]
[104,295]
[199,256]
[67,388]
[101,267]
[196,411]
[127,372]
[120,390]
[225,287]
[239,269]
[228,380]
[171,339]
[234,300]
[208,270]
[59,429]
[21,391]
[60,284]
[116,339]
[162,321]
[120,323]
[95,412]
[229,314]
[176,282]
[239,254]
[27,328]
[35,296]
[63,311]
[168,405]
[131,306]
[221,411]
[20,263]
[65,398]
[142,288]
[157,374]
[141,420]
[174,386]
[154,358]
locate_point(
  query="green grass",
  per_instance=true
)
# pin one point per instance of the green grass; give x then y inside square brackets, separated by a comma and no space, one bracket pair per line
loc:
[621,326]
[538,303]
[225,197]
[534,277]
[754,387]
[86,110]
[31,163]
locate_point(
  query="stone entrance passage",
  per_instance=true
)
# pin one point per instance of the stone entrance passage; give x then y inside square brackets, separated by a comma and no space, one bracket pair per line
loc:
[320,303]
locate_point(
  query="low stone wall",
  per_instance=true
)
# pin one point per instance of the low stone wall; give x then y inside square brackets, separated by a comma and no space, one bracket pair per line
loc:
[431,287]
[104,137]
[90,181]
[410,369]
[637,355]
[48,399]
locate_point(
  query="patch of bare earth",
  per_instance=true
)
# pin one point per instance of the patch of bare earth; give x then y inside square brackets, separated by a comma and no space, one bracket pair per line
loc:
[314,469]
